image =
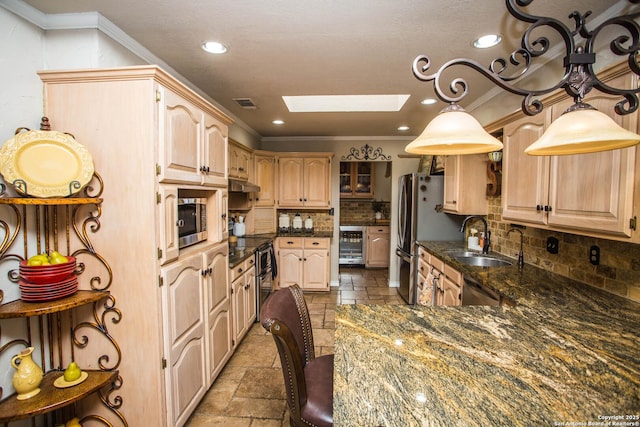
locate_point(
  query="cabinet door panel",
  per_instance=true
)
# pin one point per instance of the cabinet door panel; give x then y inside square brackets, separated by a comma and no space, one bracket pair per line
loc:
[265,171]
[214,151]
[316,182]
[290,172]
[315,269]
[525,182]
[451,193]
[250,297]
[180,157]
[168,230]
[594,191]
[239,309]
[220,346]
[183,299]
[290,267]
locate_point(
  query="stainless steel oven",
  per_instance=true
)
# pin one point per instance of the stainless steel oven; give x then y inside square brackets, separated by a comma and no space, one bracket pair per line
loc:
[266,271]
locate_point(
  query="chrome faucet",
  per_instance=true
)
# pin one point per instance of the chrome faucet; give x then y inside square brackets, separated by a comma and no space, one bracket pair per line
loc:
[521,253]
[487,233]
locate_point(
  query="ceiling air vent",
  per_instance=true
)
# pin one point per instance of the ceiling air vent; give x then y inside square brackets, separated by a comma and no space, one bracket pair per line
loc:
[246,103]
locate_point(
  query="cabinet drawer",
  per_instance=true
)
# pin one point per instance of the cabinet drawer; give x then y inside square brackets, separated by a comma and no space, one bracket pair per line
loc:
[242,268]
[453,274]
[437,264]
[319,243]
[291,242]
[423,267]
[382,229]
[424,255]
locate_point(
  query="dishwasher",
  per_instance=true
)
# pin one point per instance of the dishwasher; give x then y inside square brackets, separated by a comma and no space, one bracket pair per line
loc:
[473,293]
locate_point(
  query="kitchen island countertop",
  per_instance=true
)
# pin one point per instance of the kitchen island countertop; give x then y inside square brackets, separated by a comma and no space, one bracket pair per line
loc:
[566,353]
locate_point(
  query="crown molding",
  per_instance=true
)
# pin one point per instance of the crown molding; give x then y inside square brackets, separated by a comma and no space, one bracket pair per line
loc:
[96,21]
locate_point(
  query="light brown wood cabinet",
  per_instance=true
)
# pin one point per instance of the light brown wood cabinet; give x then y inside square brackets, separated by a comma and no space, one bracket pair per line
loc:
[465,179]
[378,246]
[356,180]
[591,192]
[303,261]
[266,176]
[240,161]
[128,118]
[243,290]
[304,180]
[193,143]
[441,283]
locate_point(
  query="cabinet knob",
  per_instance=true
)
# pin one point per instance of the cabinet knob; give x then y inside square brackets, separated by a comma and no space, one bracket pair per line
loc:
[239,270]
[180,223]
[538,208]
[547,208]
[316,243]
[300,199]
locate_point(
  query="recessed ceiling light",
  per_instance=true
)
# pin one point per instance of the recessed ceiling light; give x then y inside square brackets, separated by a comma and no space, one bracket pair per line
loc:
[403,128]
[344,103]
[428,101]
[214,47]
[489,40]
[278,122]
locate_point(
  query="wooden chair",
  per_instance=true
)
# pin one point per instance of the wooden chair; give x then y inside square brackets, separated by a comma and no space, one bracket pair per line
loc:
[308,379]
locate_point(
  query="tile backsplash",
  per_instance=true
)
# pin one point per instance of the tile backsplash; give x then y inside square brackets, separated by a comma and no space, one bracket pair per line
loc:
[618,271]
[353,211]
[322,221]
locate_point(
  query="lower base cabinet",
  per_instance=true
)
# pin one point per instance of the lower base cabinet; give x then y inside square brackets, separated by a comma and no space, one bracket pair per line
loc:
[198,327]
[303,261]
[378,246]
[437,281]
[243,298]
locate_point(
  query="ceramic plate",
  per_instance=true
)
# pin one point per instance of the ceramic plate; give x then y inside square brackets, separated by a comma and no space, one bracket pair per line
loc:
[61,383]
[45,164]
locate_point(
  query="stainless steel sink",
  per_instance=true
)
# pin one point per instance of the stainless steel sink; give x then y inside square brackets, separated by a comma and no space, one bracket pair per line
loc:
[477,260]
[456,253]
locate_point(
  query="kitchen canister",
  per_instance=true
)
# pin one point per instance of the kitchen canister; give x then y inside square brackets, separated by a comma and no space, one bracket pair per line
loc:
[284,222]
[297,222]
[308,223]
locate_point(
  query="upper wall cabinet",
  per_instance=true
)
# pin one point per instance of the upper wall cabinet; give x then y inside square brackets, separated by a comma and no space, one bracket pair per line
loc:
[240,161]
[465,179]
[592,192]
[192,142]
[266,178]
[356,180]
[304,181]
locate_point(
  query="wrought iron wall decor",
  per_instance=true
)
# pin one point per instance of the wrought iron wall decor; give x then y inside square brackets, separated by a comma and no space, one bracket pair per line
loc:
[579,77]
[366,152]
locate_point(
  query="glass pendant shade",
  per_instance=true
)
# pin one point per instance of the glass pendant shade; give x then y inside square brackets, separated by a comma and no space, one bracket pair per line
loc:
[582,129]
[453,131]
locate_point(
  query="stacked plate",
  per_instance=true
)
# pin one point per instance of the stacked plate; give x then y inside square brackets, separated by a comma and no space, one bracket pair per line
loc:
[47,282]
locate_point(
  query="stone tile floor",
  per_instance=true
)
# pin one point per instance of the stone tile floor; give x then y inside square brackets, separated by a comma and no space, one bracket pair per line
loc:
[249,392]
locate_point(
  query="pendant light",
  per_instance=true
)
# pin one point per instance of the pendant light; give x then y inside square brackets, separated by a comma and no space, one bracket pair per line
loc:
[582,129]
[453,131]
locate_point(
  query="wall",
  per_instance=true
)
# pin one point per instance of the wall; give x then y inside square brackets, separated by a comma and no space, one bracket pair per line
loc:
[618,272]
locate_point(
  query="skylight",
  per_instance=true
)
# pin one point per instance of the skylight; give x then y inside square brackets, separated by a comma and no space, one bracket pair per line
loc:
[344,103]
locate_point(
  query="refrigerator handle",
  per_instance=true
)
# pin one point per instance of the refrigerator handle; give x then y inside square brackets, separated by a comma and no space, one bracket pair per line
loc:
[402,208]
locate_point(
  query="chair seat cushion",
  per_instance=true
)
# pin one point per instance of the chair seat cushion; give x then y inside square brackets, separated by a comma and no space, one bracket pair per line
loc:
[319,377]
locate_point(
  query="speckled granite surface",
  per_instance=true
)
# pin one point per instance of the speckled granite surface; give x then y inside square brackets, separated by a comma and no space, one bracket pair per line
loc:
[567,353]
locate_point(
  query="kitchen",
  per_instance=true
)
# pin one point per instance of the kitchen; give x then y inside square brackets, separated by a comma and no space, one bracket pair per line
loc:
[618,276]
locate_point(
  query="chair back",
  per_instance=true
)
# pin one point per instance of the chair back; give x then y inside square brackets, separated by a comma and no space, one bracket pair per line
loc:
[286,316]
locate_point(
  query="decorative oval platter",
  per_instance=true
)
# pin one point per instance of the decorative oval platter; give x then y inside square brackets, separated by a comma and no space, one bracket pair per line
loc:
[45,164]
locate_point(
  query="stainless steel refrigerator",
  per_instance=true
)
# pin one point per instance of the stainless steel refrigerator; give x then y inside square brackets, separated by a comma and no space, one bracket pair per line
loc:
[420,218]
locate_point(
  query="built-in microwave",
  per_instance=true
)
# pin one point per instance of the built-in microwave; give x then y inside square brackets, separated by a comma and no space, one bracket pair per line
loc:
[192,221]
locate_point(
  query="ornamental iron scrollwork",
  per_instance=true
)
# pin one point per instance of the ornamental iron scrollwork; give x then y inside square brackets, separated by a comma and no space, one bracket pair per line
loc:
[366,152]
[579,77]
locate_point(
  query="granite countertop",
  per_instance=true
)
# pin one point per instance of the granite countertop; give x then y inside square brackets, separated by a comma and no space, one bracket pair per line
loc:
[371,222]
[566,353]
[246,246]
[305,233]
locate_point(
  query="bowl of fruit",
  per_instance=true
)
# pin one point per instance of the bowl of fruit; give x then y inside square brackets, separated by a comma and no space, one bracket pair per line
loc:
[47,268]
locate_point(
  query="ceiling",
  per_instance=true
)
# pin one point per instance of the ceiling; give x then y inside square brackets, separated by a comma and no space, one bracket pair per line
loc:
[324,47]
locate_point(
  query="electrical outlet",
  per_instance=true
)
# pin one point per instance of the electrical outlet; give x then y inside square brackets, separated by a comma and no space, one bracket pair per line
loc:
[552,245]
[594,255]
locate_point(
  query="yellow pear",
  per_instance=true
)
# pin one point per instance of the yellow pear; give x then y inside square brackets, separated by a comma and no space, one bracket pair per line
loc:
[73,422]
[72,372]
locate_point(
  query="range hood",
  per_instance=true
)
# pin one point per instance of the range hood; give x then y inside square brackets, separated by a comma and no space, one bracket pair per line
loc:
[237,186]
